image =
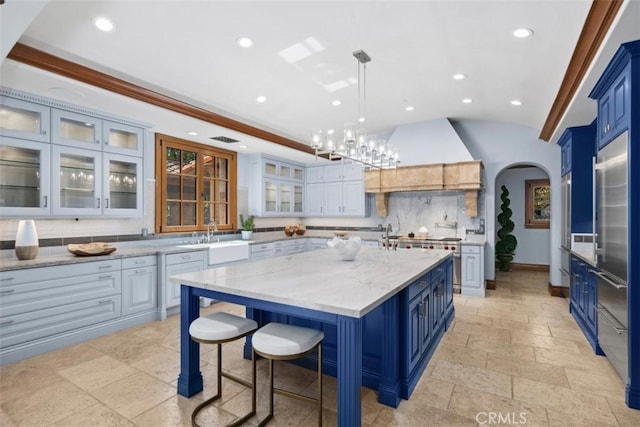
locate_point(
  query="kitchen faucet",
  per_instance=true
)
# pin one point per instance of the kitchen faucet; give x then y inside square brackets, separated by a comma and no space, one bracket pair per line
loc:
[215,229]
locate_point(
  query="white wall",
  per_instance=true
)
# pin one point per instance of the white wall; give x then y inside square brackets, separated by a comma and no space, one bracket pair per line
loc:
[533,243]
[500,145]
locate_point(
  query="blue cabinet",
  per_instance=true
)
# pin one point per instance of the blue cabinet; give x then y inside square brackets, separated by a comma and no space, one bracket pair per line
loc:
[578,147]
[618,95]
[584,298]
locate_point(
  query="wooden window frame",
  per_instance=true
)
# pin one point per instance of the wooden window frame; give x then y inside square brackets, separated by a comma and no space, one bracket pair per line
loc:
[530,220]
[161,141]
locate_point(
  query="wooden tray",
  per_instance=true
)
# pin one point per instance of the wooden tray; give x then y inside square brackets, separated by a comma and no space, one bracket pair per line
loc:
[91,249]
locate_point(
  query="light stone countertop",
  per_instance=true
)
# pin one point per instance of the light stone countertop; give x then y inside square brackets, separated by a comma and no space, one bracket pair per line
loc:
[319,280]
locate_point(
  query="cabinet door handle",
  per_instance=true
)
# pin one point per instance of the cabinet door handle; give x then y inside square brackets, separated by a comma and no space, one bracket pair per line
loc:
[606,279]
[423,283]
[140,261]
[44,132]
[186,256]
[97,141]
[6,279]
[6,291]
[46,201]
[105,266]
[6,322]
[140,271]
[106,203]
[104,301]
[98,201]
[106,276]
[585,287]
[620,329]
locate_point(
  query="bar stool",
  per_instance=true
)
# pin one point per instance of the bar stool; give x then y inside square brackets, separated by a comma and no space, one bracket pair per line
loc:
[278,341]
[218,328]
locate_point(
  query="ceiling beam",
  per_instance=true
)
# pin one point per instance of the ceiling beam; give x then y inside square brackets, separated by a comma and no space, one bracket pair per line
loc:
[596,27]
[54,64]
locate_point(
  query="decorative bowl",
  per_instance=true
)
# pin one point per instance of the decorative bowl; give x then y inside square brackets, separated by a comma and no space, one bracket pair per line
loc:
[290,230]
[347,249]
[91,249]
[300,229]
[340,233]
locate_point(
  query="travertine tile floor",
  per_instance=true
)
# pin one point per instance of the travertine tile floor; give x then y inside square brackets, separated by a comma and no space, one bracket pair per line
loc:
[517,354]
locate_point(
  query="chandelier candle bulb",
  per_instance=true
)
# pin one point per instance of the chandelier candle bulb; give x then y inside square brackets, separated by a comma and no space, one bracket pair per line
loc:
[26,240]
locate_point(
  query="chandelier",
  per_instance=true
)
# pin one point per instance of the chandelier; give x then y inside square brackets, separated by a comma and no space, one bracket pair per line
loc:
[356,144]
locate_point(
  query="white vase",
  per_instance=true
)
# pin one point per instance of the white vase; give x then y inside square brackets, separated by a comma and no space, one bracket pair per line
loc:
[26,240]
[246,234]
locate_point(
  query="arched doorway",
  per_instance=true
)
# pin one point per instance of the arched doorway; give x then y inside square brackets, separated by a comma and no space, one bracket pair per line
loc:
[531,219]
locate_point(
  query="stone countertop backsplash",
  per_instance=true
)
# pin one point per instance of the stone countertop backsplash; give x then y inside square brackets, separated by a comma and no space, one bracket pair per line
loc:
[57,255]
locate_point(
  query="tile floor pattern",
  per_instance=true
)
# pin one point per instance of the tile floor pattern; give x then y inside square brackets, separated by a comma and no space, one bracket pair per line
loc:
[517,353]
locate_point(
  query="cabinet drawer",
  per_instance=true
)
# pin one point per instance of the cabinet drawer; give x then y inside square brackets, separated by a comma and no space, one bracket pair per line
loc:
[185,257]
[262,247]
[54,320]
[34,296]
[418,286]
[137,262]
[469,249]
[57,272]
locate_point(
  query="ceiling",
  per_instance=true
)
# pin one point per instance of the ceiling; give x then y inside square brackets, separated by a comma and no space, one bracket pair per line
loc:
[302,55]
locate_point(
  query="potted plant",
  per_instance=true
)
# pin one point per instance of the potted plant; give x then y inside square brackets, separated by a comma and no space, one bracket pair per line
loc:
[506,245]
[247,227]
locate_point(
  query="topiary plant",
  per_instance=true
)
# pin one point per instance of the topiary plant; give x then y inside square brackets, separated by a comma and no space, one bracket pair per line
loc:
[506,245]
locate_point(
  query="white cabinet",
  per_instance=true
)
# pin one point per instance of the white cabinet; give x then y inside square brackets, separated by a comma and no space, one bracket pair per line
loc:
[40,302]
[85,131]
[185,262]
[335,190]
[278,248]
[276,187]
[90,183]
[317,243]
[139,284]
[261,251]
[25,183]
[24,119]
[472,270]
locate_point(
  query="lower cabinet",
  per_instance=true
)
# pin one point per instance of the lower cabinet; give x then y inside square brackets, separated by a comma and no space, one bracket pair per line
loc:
[472,270]
[139,284]
[41,305]
[184,262]
[583,287]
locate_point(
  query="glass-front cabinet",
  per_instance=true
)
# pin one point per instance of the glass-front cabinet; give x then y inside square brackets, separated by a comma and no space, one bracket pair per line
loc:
[121,138]
[24,119]
[84,131]
[277,187]
[24,177]
[76,130]
[122,191]
[88,183]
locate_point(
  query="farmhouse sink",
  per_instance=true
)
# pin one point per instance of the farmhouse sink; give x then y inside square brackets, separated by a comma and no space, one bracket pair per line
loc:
[223,252]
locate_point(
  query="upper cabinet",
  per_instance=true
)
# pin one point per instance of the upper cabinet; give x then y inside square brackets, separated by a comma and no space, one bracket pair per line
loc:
[276,187]
[83,131]
[24,177]
[59,162]
[336,190]
[24,119]
[614,94]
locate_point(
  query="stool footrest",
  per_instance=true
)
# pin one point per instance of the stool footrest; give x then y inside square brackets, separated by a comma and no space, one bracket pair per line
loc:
[236,379]
[295,395]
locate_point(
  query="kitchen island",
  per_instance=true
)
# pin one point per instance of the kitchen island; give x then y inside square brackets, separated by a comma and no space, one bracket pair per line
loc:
[384,313]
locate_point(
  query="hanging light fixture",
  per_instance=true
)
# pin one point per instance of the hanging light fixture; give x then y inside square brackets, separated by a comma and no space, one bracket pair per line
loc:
[355,143]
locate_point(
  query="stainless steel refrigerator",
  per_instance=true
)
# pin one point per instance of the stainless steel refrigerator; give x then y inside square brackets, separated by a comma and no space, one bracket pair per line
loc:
[612,252]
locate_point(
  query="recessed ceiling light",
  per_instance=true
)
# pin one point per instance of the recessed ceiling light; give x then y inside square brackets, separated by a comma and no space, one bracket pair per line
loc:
[410,108]
[523,33]
[192,133]
[103,24]
[467,100]
[330,131]
[516,102]
[242,146]
[244,42]
[336,103]
[458,76]
[261,99]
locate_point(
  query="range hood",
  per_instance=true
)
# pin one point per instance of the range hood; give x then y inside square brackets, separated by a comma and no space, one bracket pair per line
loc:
[433,158]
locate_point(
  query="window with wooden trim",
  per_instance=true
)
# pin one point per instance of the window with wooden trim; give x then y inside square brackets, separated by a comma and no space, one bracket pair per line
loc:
[196,185]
